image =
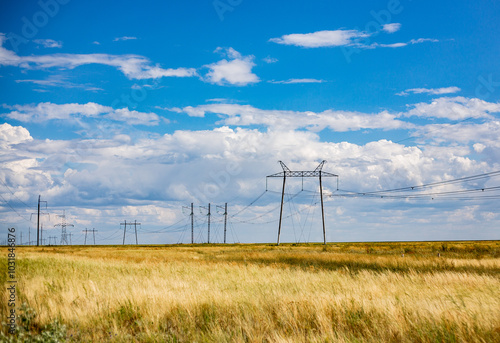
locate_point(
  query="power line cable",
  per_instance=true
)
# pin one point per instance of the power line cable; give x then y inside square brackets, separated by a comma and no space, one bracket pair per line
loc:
[13,209]
[253,202]
[22,202]
[433,184]
[418,195]
[266,213]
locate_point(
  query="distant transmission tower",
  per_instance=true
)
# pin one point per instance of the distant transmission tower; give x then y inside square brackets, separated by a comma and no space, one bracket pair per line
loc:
[93,233]
[63,225]
[135,223]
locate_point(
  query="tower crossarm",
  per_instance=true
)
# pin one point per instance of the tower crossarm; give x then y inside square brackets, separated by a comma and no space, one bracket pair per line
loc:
[303,173]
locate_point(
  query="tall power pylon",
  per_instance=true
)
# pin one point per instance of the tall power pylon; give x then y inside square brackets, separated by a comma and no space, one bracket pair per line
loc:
[64,225]
[305,173]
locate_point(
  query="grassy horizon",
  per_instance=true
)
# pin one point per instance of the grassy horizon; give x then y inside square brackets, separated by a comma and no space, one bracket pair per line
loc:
[341,292]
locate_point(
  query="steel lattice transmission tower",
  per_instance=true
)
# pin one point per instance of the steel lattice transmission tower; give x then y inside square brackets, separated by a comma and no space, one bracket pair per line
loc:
[63,225]
[305,173]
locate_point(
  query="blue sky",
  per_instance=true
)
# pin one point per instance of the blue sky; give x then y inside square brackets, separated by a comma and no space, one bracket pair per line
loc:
[132,110]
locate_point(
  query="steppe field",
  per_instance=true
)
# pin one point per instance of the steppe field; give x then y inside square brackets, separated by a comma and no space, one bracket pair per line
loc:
[342,292]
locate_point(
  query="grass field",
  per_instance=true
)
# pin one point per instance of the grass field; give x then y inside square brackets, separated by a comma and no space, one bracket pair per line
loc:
[346,292]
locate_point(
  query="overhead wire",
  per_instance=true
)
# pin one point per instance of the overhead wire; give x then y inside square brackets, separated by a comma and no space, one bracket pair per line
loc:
[14,194]
[444,194]
[251,203]
[13,209]
[112,235]
[307,219]
[416,191]
[439,183]
[291,217]
[248,221]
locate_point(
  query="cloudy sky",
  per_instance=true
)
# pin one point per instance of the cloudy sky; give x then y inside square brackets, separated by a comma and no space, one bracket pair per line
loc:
[133,111]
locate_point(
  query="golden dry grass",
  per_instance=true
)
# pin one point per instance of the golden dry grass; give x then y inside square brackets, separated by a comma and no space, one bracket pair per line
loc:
[263,293]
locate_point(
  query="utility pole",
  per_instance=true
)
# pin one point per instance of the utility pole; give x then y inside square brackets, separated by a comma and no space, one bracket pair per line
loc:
[38,220]
[225,219]
[314,173]
[29,235]
[124,230]
[192,224]
[192,220]
[208,223]
[135,227]
[225,222]
[63,225]
[21,238]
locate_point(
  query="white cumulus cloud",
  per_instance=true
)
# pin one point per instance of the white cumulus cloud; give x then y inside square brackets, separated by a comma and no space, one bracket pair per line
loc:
[46,111]
[124,38]
[236,71]
[292,81]
[318,39]
[454,108]
[340,121]
[434,91]
[391,28]
[132,66]
[48,43]
[13,134]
